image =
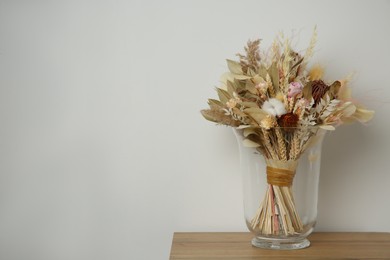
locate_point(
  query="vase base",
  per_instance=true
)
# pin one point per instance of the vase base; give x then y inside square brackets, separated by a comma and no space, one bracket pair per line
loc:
[280,245]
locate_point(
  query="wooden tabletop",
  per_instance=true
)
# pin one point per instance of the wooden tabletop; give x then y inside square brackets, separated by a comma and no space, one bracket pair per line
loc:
[324,245]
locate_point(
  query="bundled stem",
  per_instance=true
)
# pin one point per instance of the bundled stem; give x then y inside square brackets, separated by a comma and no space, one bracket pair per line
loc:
[277,214]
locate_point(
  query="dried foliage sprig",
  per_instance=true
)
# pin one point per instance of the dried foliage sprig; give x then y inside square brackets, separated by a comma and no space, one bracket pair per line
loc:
[279,106]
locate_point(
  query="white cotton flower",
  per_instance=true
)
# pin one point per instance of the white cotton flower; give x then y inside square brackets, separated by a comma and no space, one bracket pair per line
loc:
[274,107]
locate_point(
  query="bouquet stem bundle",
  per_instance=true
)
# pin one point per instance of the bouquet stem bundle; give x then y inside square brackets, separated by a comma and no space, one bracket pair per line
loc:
[277,214]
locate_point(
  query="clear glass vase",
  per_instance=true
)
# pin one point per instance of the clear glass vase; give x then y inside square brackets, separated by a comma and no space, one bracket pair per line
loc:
[280,170]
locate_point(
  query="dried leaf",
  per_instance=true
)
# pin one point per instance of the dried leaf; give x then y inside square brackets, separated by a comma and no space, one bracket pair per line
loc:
[296,64]
[325,114]
[249,131]
[328,127]
[241,77]
[307,91]
[363,115]
[345,92]
[231,88]
[227,76]
[218,116]
[262,72]
[258,79]
[210,115]
[348,109]
[335,88]
[213,103]
[223,95]
[248,104]
[249,86]
[251,73]
[243,126]
[273,72]
[249,143]
[234,67]
[239,83]
[256,113]
[239,113]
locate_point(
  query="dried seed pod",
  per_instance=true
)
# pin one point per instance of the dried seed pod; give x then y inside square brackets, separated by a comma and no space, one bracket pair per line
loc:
[319,88]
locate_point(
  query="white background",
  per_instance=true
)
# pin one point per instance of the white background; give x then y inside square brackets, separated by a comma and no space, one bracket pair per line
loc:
[103,151]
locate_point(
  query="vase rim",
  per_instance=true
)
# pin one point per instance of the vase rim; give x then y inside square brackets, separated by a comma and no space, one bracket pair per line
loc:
[280,127]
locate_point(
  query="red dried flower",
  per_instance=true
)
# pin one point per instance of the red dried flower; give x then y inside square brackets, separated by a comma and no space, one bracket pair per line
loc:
[288,120]
[319,88]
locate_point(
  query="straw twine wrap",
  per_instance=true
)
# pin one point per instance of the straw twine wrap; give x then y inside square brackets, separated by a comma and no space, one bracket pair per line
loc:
[280,177]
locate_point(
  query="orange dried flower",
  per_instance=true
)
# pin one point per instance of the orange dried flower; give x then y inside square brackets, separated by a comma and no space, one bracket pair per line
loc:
[288,120]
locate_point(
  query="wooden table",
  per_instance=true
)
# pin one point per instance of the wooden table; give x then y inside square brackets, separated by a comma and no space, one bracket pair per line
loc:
[324,245]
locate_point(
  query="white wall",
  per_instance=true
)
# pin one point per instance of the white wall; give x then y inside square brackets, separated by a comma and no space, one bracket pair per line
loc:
[103,151]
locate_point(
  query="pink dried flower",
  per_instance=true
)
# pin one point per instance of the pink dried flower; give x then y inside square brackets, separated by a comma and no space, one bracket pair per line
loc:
[294,89]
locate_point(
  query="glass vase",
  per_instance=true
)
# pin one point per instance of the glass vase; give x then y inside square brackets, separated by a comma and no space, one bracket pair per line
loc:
[280,173]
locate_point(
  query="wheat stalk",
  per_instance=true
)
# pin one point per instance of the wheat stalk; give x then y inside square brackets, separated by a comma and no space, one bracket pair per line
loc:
[295,146]
[268,146]
[271,88]
[251,58]
[281,145]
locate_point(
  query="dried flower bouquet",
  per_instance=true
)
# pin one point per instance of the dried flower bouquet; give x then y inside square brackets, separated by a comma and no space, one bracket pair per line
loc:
[279,104]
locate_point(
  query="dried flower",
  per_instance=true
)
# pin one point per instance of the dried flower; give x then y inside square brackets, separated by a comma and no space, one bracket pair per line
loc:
[300,107]
[274,107]
[316,72]
[262,87]
[294,89]
[231,103]
[279,96]
[319,88]
[268,122]
[288,120]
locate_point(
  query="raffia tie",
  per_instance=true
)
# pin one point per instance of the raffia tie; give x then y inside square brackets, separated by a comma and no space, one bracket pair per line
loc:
[280,177]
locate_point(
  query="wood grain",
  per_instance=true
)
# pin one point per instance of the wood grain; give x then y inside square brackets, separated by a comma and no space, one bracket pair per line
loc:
[324,245]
